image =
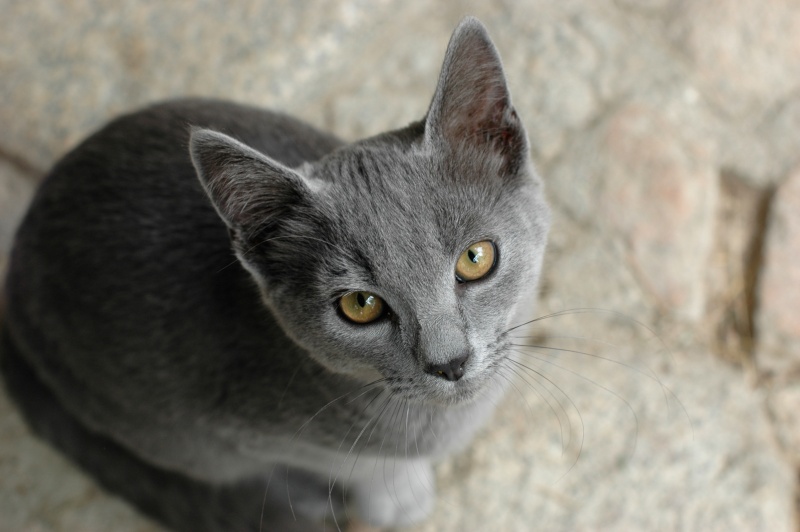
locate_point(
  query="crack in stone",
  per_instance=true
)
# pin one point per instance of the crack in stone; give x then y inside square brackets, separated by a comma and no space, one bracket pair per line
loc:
[736,262]
[755,260]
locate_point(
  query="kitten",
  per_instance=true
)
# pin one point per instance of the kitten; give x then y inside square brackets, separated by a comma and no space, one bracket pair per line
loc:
[238,322]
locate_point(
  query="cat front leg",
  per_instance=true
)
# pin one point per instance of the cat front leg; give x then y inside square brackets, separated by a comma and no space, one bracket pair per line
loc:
[393,492]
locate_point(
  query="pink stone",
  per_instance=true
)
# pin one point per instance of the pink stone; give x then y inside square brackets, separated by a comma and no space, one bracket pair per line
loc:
[779,287]
[659,194]
[744,54]
[784,405]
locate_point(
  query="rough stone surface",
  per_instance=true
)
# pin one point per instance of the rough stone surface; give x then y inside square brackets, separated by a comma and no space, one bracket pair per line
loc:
[16,190]
[765,152]
[778,349]
[639,453]
[779,289]
[739,56]
[634,109]
[40,491]
[740,52]
[651,184]
[784,404]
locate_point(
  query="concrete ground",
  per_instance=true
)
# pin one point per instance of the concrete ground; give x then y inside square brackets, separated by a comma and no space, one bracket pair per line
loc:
[668,132]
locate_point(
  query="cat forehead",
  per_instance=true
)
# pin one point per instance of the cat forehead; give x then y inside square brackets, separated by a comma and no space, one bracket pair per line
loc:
[367,162]
[398,214]
[410,172]
[407,189]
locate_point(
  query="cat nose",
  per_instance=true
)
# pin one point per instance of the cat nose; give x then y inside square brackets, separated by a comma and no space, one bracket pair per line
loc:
[451,371]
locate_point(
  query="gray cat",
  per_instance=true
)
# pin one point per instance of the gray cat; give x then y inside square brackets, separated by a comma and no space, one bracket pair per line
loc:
[291,340]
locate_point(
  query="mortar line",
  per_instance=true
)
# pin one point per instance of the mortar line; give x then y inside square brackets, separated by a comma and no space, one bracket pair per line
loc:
[27,169]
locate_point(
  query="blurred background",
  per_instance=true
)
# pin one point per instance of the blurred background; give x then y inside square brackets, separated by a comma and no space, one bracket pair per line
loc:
[661,389]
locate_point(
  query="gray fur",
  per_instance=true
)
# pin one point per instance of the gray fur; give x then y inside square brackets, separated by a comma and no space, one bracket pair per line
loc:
[129,311]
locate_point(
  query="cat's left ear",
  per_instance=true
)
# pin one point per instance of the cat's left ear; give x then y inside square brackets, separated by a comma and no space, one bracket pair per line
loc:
[247,188]
[472,105]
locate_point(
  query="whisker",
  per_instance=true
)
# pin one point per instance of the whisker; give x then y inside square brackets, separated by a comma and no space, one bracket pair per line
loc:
[394,466]
[612,392]
[569,337]
[577,411]
[331,484]
[664,348]
[429,488]
[430,425]
[309,420]
[510,380]
[376,419]
[289,495]
[408,464]
[291,380]
[380,453]
[556,314]
[597,310]
[264,501]
[564,444]
[525,399]
[649,374]
[394,462]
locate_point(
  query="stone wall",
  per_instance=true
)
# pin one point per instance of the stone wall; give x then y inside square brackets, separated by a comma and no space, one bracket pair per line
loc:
[668,132]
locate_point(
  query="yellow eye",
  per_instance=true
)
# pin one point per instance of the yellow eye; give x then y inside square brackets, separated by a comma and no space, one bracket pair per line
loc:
[361,307]
[476,261]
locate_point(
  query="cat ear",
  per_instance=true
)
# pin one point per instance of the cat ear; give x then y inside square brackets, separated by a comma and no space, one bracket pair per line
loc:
[472,105]
[247,188]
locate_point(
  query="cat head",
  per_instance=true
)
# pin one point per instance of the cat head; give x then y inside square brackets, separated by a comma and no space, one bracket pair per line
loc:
[406,256]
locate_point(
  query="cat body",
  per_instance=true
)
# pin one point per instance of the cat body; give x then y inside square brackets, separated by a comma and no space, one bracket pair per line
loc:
[174,303]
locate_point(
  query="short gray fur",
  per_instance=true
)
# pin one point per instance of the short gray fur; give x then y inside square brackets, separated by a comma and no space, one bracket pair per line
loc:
[180,337]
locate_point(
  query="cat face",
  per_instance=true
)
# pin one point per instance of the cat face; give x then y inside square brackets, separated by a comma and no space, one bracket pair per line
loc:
[403,257]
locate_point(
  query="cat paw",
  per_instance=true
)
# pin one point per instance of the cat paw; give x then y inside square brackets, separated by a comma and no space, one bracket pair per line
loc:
[404,497]
[355,525]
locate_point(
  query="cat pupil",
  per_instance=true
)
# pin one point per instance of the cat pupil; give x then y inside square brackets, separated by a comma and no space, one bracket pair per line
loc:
[361,300]
[472,256]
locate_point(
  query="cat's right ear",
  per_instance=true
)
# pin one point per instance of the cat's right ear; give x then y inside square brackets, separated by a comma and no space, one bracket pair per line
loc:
[471,109]
[248,189]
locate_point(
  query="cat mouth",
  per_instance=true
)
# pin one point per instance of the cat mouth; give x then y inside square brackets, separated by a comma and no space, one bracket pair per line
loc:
[451,393]
[477,378]
[466,392]
[464,384]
